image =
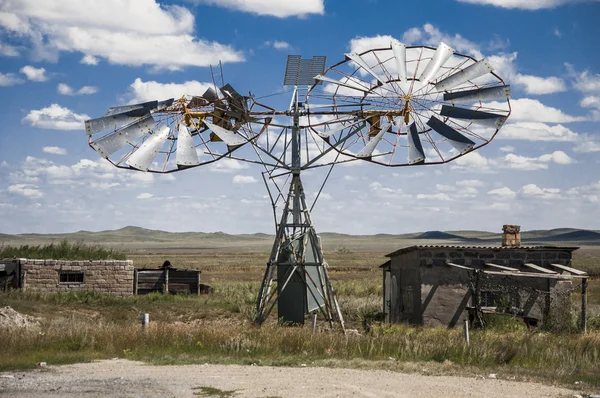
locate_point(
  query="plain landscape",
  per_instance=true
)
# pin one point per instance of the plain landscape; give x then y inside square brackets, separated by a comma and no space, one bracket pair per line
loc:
[218,329]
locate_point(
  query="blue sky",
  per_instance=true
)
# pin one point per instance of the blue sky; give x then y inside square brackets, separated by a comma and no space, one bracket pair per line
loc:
[64,61]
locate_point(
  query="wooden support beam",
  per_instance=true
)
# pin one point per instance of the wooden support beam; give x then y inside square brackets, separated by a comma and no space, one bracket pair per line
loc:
[538,268]
[532,275]
[502,267]
[460,266]
[569,269]
[584,305]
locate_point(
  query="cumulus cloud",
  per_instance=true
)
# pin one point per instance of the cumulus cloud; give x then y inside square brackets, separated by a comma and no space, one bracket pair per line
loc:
[278,45]
[430,35]
[240,179]
[34,74]
[503,193]
[506,148]
[9,79]
[470,183]
[526,4]
[532,163]
[275,8]
[121,31]
[436,196]
[144,195]
[532,110]
[30,191]
[543,193]
[591,101]
[56,117]
[584,81]
[504,64]
[65,89]
[7,50]
[54,150]
[140,91]
[535,131]
[89,60]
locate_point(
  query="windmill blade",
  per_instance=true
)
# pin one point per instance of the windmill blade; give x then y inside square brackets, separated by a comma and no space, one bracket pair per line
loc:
[116,140]
[115,121]
[186,151]
[442,54]
[367,151]
[330,132]
[461,143]
[479,94]
[416,154]
[126,108]
[227,136]
[361,62]
[142,158]
[471,72]
[399,50]
[486,118]
[348,83]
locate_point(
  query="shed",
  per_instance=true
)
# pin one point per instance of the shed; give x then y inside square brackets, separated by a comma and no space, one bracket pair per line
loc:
[167,280]
[444,285]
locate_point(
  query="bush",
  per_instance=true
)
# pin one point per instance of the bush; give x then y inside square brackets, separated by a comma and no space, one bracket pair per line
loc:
[63,250]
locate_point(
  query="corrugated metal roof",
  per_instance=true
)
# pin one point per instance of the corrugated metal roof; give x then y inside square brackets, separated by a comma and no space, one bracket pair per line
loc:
[494,248]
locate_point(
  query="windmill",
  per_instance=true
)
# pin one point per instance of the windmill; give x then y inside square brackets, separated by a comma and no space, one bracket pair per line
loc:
[393,106]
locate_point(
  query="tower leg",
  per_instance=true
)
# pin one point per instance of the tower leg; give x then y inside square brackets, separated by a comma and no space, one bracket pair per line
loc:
[296,277]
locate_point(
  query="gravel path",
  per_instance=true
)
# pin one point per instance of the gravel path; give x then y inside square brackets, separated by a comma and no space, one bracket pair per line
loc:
[122,378]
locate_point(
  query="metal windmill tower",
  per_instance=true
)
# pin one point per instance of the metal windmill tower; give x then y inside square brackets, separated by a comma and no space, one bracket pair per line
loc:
[394,106]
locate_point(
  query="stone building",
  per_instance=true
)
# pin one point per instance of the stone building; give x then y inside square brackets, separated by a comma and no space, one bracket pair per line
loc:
[106,276]
[444,285]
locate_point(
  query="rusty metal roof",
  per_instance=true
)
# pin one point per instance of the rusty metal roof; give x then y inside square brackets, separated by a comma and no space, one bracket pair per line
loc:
[480,248]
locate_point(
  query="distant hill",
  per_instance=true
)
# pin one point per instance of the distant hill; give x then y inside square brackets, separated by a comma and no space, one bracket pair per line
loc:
[439,235]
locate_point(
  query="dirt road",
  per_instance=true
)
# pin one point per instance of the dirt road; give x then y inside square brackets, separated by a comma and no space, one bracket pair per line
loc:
[122,378]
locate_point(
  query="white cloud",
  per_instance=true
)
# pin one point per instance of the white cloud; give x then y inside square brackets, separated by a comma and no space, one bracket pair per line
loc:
[89,60]
[122,31]
[140,91]
[437,196]
[507,148]
[228,165]
[7,50]
[432,36]
[531,110]
[503,193]
[473,161]
[34,74]
[535,191]
[276,8]
[240,179]
[65,89]
[144,196]
[30,191]
[557,32]
[587,143]
[55,150]
[584,81]
[591,101]
[9,79]
[504,65]
[278,45]
[526,4]
[531,163]
[535,131]
[56,117]
[446,188]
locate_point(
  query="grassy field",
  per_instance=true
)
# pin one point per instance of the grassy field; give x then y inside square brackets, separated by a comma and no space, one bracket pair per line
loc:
[217,328]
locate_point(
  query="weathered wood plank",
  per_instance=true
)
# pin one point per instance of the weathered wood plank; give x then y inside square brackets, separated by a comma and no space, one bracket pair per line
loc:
[538,268]
[502,267]
[569,269]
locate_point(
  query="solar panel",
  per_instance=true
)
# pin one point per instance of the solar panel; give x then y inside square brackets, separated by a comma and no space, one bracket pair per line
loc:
[300,71]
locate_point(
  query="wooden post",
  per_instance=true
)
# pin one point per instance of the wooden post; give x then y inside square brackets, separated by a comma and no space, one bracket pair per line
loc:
[135,282]
[166,290]
[584,305]
[466,330]
[384,293]
[145,322]
[314,321]
[198,283]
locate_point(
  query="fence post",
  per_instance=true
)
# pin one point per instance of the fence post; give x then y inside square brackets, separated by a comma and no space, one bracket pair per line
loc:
[135,282]
[466,330]
[167,280]
[145,322]
[198,282]
[314,321]
[584,305]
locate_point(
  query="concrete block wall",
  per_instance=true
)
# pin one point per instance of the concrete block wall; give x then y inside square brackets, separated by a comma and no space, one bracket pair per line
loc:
[105,276]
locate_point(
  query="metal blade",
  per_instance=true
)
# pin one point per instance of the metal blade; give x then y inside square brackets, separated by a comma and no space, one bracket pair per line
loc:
[210,95]
[399,50]
[227,136]
[415,148]
[479,94]
[114,141]
[126,108]
[461,143]
[367,151]
[348,83]
[442,54]
[113,122]
[486,118]
[236,102]
[360,62]
[471,72]
[142,158]
[186,151]
[330,132]
[165,103]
